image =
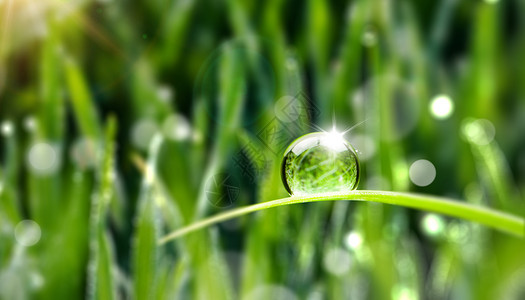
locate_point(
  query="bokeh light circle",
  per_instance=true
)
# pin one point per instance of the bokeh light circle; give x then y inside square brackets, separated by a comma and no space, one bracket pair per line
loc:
[353,240]
[337,261]
[441,107]
[176,127]
[43,158]
[432,224]
[7,128]
[478,131]
[422,172]
[142,133]
[27,233]
[84,153]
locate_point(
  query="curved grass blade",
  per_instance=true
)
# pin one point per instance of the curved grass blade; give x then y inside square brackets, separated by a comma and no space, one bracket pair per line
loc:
[498,220]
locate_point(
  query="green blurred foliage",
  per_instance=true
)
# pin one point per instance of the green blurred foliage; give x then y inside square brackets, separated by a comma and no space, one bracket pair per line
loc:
[118,118]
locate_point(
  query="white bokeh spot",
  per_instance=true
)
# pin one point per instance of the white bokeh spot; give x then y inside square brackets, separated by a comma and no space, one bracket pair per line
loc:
[84,153]
[432,224]
[142,133]
[7,128]
[441,107]
[27,233]
[43,158]
[176,127]
[422,172]
[337,261]
[353,240]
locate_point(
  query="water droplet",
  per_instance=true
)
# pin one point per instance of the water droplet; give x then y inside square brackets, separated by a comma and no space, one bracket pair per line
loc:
[320,162]
[27,233]
[422,172]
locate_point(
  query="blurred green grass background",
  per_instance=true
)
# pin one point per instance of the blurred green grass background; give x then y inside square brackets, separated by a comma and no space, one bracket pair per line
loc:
[122,121]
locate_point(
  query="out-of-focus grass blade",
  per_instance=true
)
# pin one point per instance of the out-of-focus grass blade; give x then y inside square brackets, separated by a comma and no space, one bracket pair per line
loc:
[70,233]
[85,112]
[9,179]
[482,87]
[9,217]
[174,31]
[105,286]
[178,278]
[231,100]
[347,75]
[492,166]
[318,42]
[146,98]
[102,257]
[239,18]
[145,250]
[51,114]
[212,279]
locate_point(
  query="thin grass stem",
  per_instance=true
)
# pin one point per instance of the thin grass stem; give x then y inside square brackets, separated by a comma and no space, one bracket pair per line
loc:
[504,222]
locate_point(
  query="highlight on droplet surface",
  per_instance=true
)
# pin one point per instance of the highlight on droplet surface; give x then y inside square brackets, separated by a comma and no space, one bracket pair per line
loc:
[320,162]
[422,172]
[441,107]
[27,233]
[43,158]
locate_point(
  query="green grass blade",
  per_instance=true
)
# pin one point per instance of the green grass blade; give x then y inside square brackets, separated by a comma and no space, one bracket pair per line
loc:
[498,220]
[145,254]
[102,256]
[85,112]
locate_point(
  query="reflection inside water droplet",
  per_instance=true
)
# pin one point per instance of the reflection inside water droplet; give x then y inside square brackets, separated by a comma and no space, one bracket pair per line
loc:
[320,162]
